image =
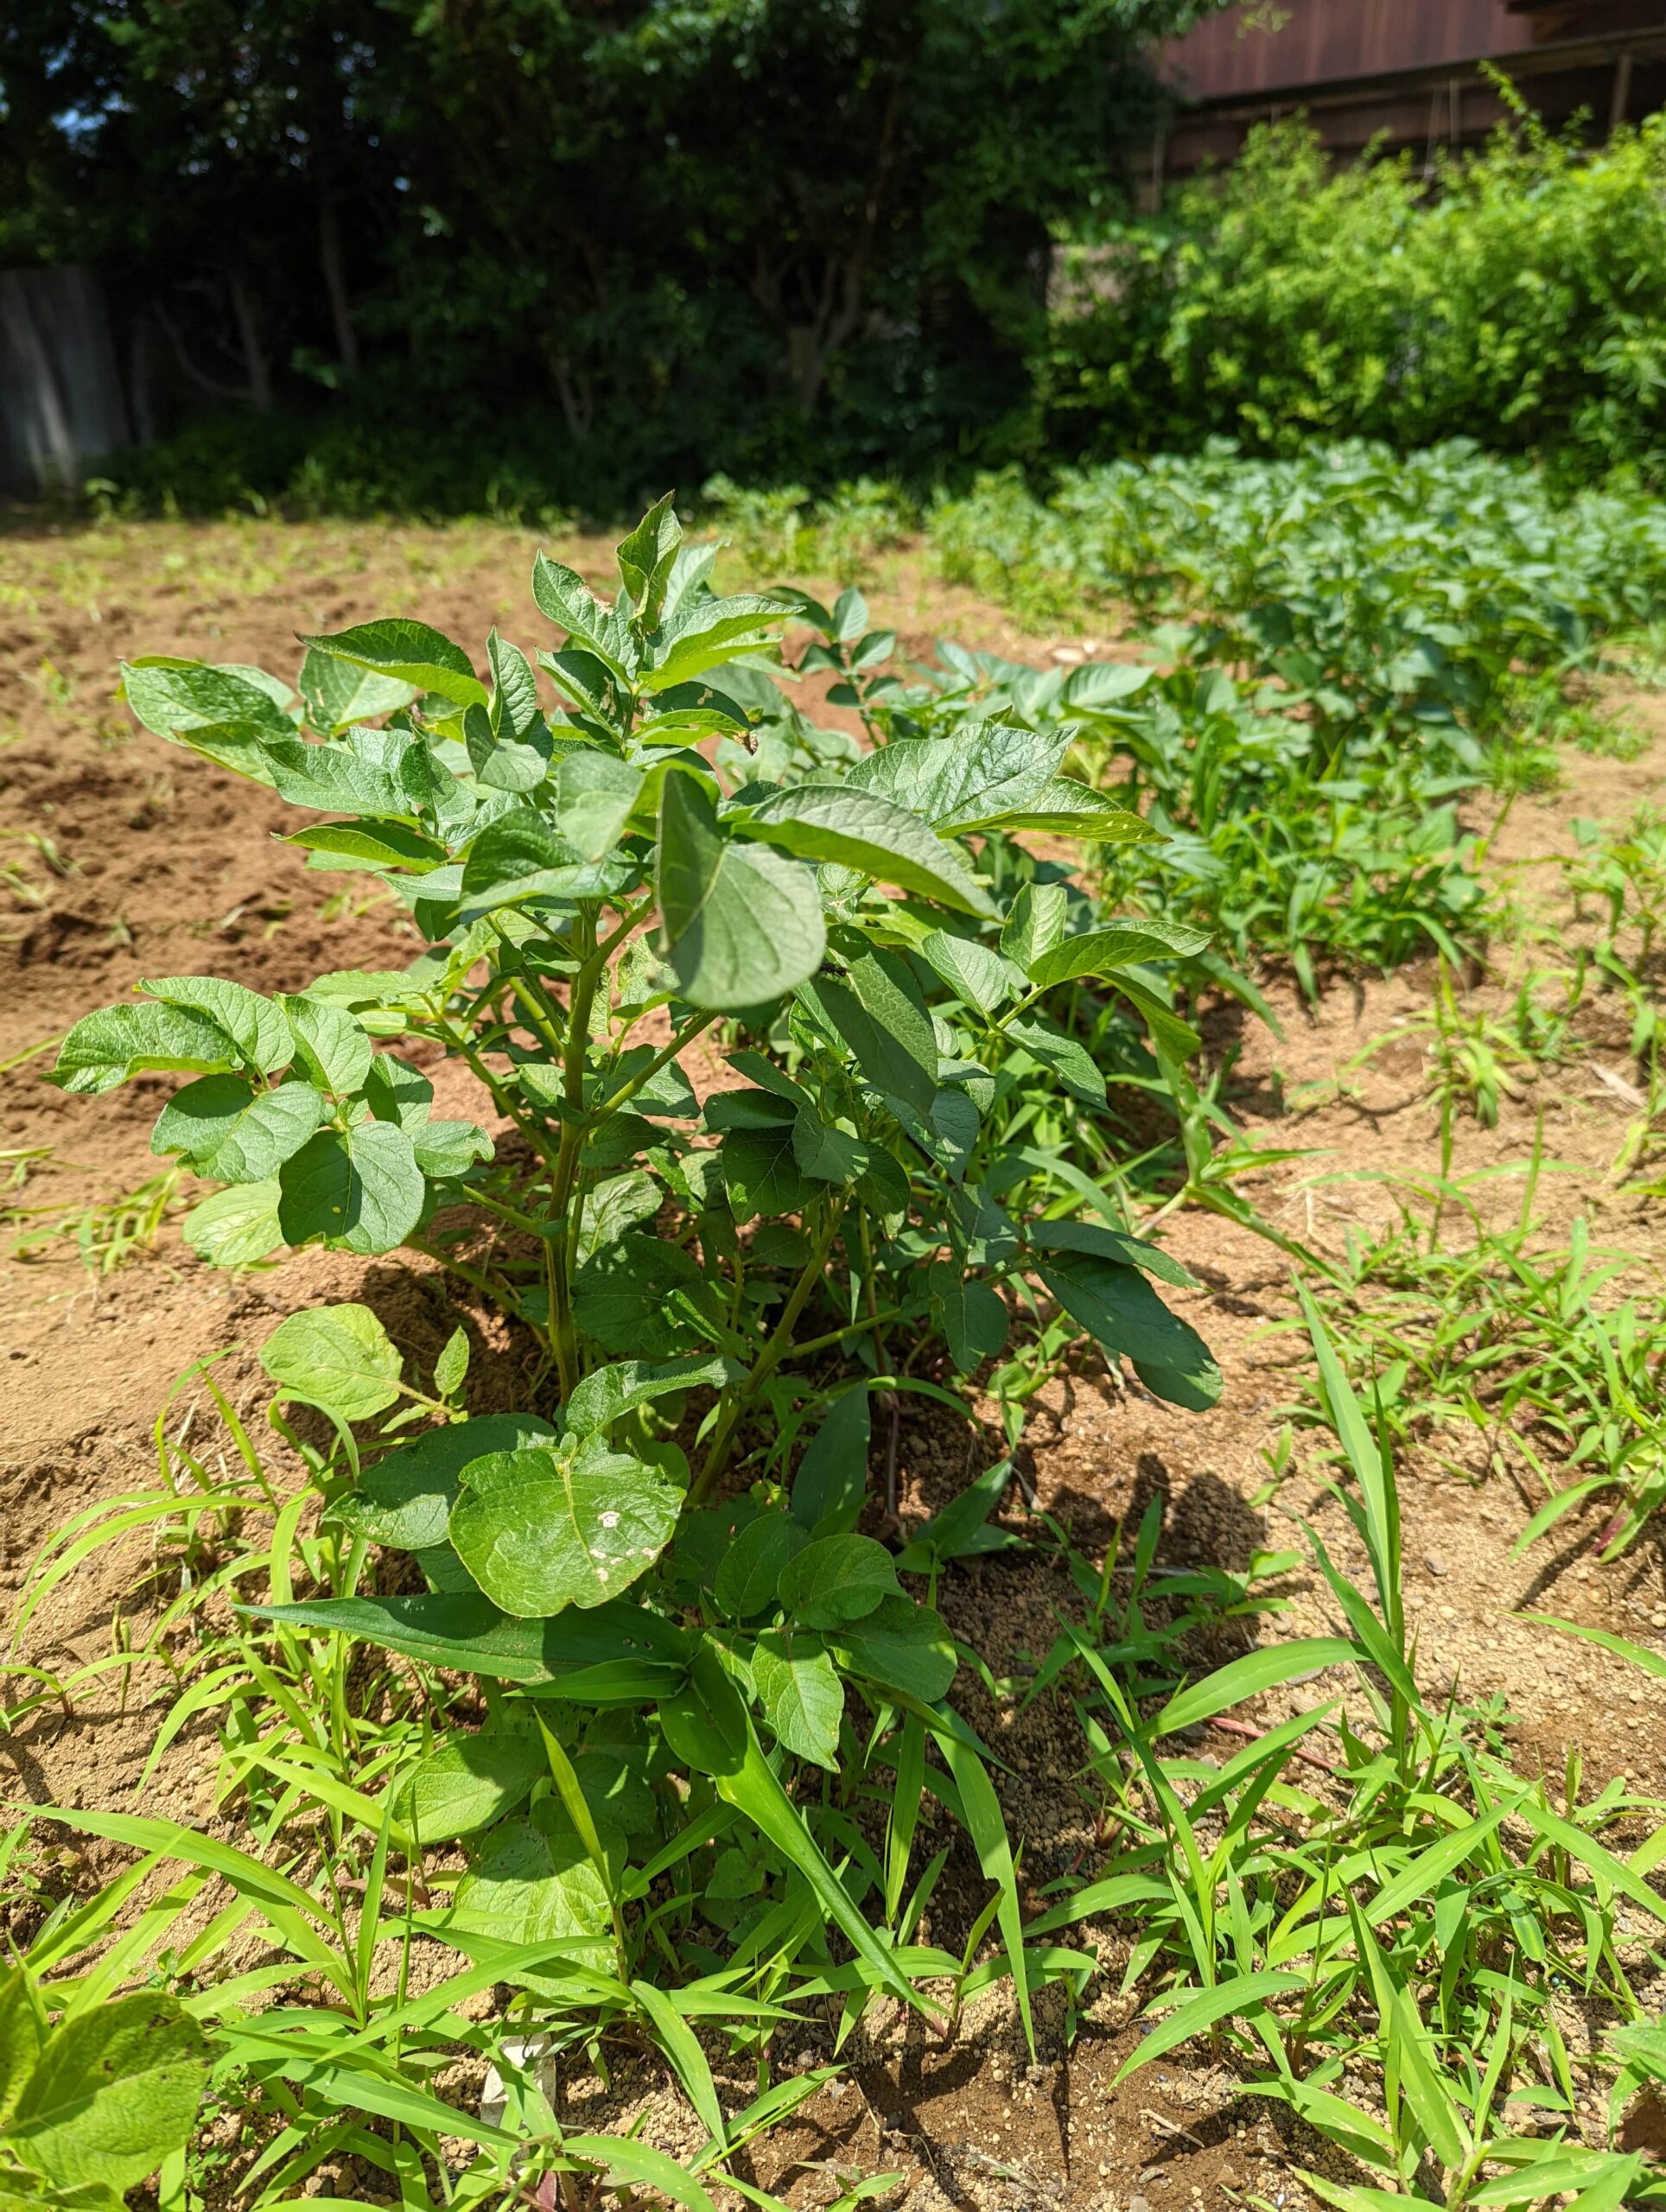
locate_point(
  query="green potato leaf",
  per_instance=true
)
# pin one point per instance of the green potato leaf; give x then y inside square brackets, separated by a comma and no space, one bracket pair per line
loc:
[831,1480]
[595,794]
[901,1646]
[502,761]
[336,780]
[1115,944]
[1114,1244]
[359,1189]
[1178,1038]
[519,856]
[532,1881]
[446,1150]
[609,1393]
[23,2035]
[647,559]
[1064,1056]
[173,697]
[329,1045]
[973,779]
[750,1570]
[396,1091]
[339,693]
[865,831]
[229,1129]
[255,1025]
[876,1009]
[705,1721]
[374,846]
[616,1205]
[545,1529]
[826,1153]
[113,2093]
[406,1498]
[337,1356]
[568,600]
[972,1318]
[762,1173]
[983,978]
[627,1295]
[469,1783]
[703,632]
[801,1693]
[616,1653]
[742,925]
[406,652]
[1065,808]
[104,1048]
[1035,924]
[235,1228]
[1118,1307]
[834,1579]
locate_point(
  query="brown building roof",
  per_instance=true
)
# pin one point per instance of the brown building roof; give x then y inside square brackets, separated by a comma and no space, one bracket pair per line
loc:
[1408,68]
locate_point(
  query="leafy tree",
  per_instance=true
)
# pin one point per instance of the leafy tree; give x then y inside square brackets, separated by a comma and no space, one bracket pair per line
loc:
[689,228]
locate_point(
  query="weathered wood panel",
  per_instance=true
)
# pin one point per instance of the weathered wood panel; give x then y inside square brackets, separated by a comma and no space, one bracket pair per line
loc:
[1317,40]
[61,403]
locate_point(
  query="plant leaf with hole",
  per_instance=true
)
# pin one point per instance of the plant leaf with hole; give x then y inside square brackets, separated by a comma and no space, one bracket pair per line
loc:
[542,1530]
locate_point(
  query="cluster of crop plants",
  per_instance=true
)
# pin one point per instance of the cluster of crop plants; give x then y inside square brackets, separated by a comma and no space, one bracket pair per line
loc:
[813,1085]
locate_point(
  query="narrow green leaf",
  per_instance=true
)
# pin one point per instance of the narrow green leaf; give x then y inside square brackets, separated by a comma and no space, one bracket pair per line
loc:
[1244,1996]
[1262,1669]
[988,1830]
[755,1791]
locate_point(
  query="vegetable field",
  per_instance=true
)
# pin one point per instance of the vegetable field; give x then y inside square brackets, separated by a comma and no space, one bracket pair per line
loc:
[834,1350]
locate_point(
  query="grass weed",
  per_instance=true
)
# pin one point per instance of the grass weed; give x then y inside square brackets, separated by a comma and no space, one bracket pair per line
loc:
[1498,1351]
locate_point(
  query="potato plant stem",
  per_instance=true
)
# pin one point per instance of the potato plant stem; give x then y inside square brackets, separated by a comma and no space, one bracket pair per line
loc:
[627,1091]
[767,1360]
[563,1333]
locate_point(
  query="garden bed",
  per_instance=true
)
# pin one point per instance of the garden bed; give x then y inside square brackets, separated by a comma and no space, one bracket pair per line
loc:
[132,858]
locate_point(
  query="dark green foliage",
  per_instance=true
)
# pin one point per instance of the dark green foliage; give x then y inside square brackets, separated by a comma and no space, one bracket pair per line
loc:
[1520,301]
[668,235]
[1364,637]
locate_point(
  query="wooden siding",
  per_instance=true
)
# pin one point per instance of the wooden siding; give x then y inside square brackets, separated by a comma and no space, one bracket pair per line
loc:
[1322,40]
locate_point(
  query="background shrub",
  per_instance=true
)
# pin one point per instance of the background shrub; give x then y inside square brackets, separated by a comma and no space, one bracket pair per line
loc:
[1519,298]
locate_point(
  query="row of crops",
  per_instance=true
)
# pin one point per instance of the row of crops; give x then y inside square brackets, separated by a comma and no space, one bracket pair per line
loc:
[814,1075]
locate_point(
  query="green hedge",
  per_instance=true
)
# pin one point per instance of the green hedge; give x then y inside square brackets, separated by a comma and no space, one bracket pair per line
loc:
[1518,298]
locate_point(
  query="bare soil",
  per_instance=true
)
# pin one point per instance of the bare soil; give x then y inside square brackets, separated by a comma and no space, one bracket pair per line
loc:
[121,857]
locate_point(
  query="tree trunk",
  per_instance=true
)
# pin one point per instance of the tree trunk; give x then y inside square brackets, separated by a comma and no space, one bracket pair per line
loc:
[576,395]
[335,286]
[142,384]
[256,366]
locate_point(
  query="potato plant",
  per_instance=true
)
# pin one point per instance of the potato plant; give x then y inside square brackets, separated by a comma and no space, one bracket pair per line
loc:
[596,896]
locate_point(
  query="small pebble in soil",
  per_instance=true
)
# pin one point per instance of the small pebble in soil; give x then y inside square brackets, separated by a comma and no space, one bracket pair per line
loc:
[1434,1563]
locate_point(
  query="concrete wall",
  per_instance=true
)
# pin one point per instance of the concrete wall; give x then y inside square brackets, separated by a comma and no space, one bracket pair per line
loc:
[61,402]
